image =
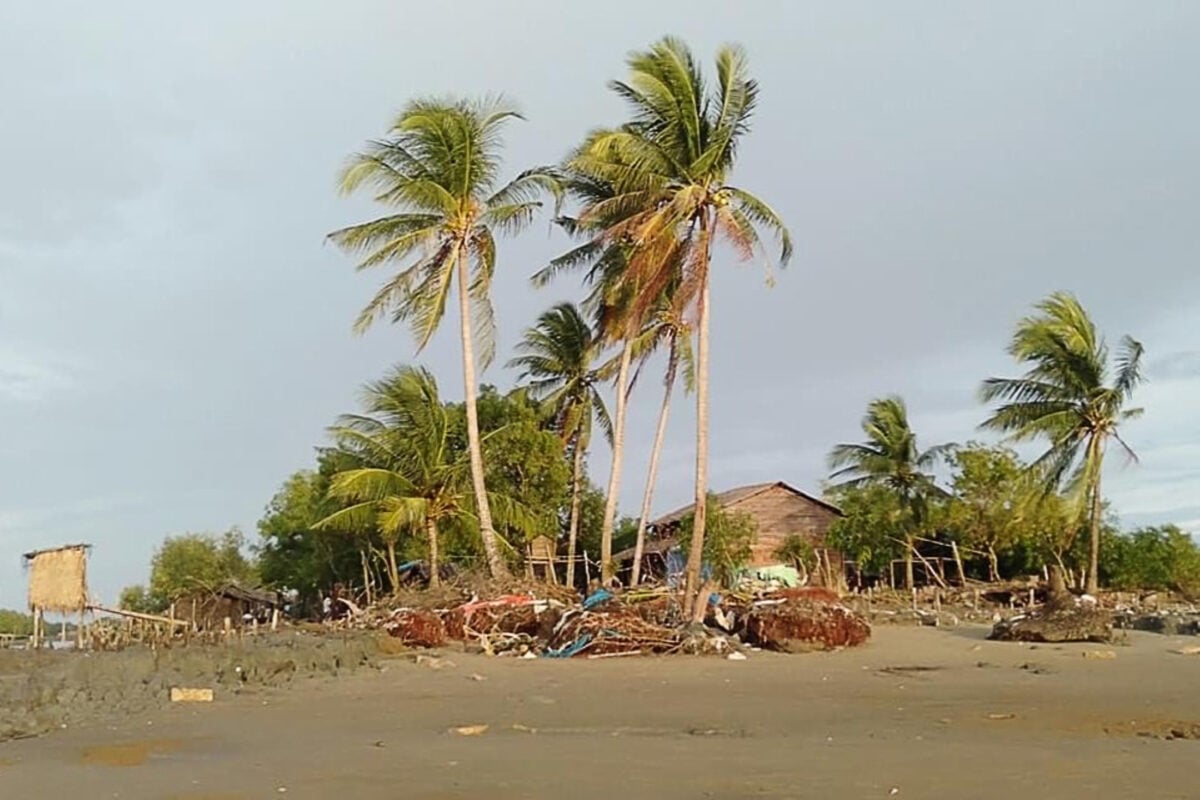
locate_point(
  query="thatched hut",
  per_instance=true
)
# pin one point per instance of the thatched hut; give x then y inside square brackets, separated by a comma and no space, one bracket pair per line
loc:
[57,583]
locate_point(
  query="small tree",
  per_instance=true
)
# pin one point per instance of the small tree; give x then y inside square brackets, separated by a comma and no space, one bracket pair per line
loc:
[874,529]
[986,506]
[797,550]
[727,539]
[137,598]
[197,561]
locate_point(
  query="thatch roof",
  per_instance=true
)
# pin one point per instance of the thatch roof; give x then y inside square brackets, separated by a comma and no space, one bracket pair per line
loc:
[649,548]
[58,578]
[32,554]
[234,591]
[737,495]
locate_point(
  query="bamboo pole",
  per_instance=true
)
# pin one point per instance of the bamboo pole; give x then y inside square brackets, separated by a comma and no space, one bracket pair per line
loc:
[132,615]
[962,576]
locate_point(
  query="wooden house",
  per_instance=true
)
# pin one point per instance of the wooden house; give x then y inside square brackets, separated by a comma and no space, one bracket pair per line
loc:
[779,511]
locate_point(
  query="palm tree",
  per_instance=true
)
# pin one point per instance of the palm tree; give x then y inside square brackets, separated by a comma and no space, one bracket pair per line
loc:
[668,167]
[667,330]
[408,476]
[1066,397]
[558,357]
[608,302]
[438,169]
[890,457]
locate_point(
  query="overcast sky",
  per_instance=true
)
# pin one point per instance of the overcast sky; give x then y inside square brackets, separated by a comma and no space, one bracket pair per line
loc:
[175,336]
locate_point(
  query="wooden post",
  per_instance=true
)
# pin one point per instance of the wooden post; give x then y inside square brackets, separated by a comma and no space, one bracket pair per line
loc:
[274,620]
[962,576]
[79,631]
[914,598]
[36,640]
[228,625]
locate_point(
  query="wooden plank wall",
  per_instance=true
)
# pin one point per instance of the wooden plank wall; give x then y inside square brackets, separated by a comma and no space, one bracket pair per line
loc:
[779,514]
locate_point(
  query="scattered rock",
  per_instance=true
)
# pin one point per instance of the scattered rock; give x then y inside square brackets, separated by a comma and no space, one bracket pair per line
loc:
[182,695]
[470,730]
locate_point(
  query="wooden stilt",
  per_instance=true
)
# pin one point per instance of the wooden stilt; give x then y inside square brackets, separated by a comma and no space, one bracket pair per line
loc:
[962,576]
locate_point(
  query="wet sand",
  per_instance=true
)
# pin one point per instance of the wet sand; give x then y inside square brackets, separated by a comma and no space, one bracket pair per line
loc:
[916,713]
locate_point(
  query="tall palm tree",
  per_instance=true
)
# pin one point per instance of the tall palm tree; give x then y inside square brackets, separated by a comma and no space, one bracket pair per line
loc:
[609,303]
[557,356]
[667,330]
[669,167]
[890,457]
[1066,397]
[438,169]
[409,476]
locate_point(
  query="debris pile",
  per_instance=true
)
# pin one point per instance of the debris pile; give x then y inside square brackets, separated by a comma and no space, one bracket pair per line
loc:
[799,624]
[526,622]
[1080,624]
[1063,618]
[417,628]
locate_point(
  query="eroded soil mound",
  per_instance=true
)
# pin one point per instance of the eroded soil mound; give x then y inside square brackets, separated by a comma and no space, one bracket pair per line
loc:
[40,691]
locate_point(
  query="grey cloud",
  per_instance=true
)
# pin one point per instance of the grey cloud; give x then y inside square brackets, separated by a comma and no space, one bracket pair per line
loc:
[1172,366]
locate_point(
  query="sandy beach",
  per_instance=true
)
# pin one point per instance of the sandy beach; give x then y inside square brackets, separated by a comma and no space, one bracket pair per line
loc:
[916,713]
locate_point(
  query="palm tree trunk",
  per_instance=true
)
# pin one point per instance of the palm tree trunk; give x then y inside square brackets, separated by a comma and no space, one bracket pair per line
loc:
[393,570]
[362,554]
[434,564]
[491,547]
[660,434]
[1093,576]
[909,577]
[614,475]
[696,553]
[576,505]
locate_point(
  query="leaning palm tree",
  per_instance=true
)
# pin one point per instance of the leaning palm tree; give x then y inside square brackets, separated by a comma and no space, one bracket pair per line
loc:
[890,457]
[558,356]
[668,330]
[408,476]
[609,303]
[438,169]
[1066,397]
[669,166]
